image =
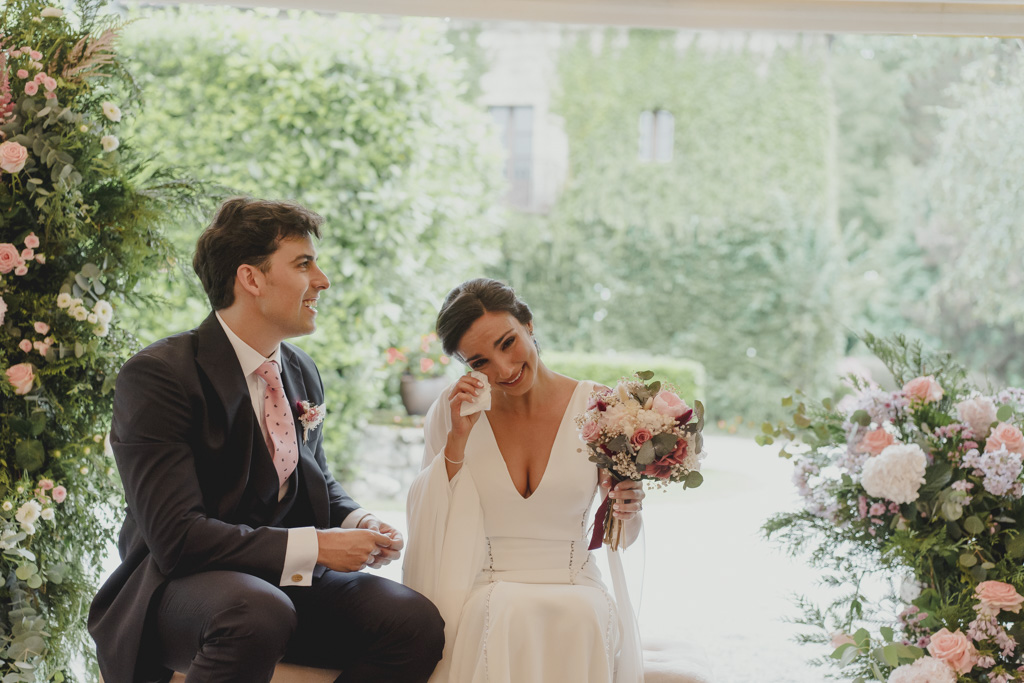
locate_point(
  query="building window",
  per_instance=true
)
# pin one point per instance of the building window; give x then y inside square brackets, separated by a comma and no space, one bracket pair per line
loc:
[657,135]
[515,127]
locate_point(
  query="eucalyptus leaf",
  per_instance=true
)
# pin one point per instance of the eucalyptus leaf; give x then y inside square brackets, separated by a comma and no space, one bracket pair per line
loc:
[1004,413]
[645,375]
[664,443]
[618,444]
[889,654]
[654,388]
[693,480]
[90,270]
[968,560]
[29,454]
[973,525]
[646,454]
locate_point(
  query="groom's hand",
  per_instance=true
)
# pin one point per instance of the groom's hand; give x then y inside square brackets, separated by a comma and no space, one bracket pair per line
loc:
[349,550]
[393,551]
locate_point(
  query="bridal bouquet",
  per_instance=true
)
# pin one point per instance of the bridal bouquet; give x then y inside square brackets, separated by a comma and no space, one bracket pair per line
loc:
[924,482]
[641,431]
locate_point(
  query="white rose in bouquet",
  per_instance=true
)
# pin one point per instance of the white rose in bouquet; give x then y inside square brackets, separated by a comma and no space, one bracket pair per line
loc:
[978,413]
[896,473]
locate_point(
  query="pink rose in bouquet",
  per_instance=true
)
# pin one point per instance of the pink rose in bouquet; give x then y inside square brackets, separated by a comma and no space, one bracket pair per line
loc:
[641,436]
[876,441]
[955,649]
[59,494]
[21,377]
[13,156]
[10,258]
[671,405]
[590,431]
[995,596]
[924,389]
[1005,435]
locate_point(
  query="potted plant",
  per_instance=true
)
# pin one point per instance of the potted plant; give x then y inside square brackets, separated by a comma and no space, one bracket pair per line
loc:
[423,372]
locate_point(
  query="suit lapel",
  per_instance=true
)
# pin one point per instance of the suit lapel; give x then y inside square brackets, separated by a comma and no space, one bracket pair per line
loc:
[309,469]
[218,360]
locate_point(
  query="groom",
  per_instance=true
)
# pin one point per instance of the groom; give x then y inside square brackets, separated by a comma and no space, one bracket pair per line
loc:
[239,548]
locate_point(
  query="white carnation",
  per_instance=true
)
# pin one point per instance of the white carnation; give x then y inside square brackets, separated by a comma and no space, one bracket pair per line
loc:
[101,330]
[978,413]
[618,420]
[79,312]
[924,670]
[27,515]
[63,300]
[896,473]
[47,514]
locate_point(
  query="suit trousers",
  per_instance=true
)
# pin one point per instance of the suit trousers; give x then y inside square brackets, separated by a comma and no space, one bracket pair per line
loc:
[223,626]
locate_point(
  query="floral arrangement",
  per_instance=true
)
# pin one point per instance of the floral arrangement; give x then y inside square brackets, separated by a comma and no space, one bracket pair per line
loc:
[78,234]
[923,482]
[641,431]
[422,361]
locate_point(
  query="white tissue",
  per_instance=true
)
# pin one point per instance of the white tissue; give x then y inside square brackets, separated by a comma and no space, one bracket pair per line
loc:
[481,402]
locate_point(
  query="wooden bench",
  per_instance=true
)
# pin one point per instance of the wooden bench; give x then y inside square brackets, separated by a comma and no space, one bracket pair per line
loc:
[665,661]
[290,673]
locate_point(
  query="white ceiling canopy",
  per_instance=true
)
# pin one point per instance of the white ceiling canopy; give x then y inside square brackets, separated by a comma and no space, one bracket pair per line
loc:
[1000,18]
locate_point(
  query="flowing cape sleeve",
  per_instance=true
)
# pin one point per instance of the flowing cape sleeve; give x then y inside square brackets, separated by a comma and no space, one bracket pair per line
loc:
[446,532]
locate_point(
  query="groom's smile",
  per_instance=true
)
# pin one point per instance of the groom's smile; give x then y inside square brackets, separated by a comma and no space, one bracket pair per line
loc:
[292,287]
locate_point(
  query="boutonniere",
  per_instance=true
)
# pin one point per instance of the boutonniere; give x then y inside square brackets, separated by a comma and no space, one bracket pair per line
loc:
[310,416]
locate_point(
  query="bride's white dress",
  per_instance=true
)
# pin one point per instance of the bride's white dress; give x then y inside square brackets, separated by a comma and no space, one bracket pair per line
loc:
[521,596]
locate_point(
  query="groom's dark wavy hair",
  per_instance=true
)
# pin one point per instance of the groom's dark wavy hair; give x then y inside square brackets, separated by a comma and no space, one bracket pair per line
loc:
[465,304]
[246,231]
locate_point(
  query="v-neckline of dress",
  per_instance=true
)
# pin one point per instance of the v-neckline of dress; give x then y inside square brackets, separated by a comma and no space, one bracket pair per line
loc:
[551,449]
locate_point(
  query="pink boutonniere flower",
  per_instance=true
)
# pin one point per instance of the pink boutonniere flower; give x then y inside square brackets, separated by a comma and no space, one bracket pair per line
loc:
[310,416]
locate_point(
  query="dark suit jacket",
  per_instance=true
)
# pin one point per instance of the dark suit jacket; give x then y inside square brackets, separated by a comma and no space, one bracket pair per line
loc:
[196,475]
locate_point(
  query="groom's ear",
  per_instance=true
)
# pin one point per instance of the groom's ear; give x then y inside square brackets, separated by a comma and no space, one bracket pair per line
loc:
[250,279]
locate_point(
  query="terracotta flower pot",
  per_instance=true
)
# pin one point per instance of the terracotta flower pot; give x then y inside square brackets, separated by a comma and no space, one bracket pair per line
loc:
[418,394]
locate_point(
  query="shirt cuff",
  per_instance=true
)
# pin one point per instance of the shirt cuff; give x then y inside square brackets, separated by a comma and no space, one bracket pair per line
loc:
[300,557]
[353,519]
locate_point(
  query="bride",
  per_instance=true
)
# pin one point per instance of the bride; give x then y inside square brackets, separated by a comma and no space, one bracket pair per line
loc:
[498,515]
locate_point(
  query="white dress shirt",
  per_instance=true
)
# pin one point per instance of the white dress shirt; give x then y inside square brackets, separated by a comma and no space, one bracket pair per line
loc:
[302,548]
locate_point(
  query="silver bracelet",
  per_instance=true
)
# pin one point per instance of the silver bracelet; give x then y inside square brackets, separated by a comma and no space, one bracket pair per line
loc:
[454,462]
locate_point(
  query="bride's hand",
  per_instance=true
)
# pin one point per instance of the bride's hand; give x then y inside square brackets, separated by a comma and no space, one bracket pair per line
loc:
[627,497]
[466,389]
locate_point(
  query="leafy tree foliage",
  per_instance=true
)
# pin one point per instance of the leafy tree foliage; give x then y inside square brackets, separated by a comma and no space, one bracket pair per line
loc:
[360,120]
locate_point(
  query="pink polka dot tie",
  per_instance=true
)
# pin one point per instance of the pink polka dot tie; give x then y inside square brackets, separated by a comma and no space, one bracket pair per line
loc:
[282,443]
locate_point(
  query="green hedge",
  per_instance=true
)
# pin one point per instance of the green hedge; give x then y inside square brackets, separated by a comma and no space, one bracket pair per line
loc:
[686,375]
